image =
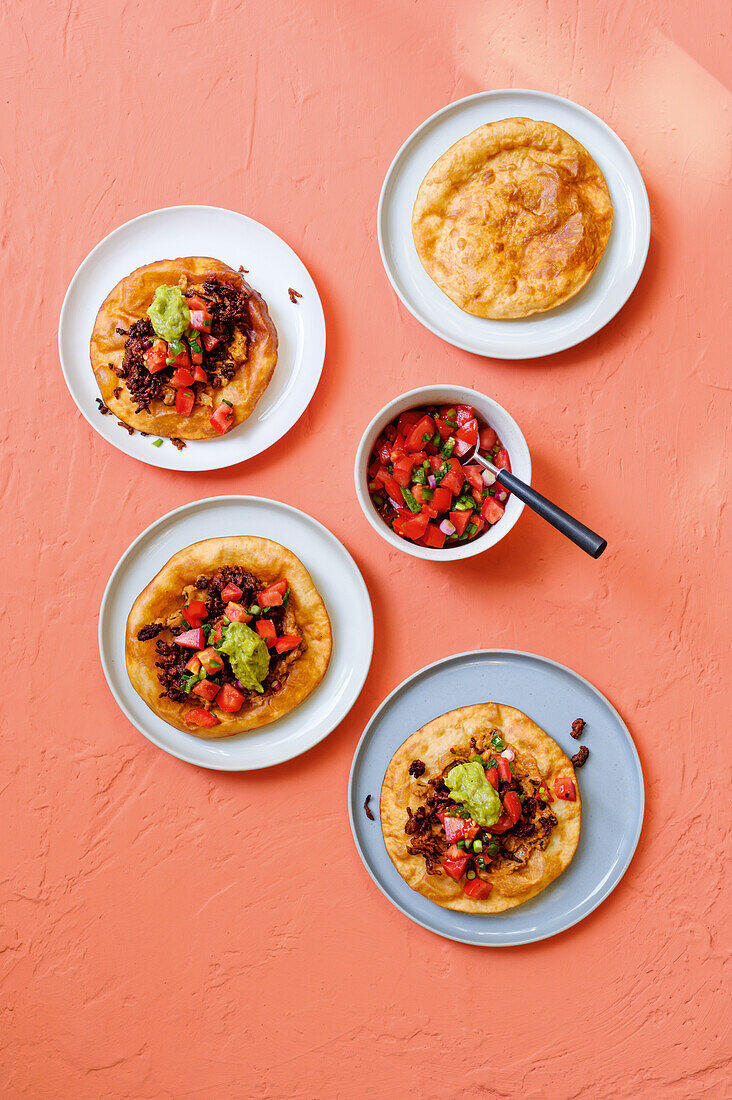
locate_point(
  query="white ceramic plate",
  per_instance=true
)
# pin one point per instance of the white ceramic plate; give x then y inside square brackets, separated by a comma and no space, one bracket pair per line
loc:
[272,269]
[543,333]
[336,577]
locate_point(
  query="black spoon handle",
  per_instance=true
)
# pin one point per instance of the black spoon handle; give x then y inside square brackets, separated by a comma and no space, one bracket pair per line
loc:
[582,536]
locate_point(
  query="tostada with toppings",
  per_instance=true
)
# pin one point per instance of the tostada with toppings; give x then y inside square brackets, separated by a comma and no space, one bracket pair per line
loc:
[480,809]
[229,636]
[183,348]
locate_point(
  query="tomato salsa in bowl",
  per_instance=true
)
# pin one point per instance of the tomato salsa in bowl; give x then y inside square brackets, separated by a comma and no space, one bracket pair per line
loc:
[416,484]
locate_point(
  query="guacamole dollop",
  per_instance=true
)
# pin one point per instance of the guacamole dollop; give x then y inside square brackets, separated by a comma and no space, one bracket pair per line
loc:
[469,786]
[248,655]
[169,313]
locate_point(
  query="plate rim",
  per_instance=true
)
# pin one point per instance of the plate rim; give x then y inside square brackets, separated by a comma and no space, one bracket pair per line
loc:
[122,561]
[493,93]
[472,653]
[63,322]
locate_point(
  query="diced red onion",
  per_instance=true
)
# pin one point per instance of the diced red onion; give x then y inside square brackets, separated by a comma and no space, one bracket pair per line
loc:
[501,495]
[275,685]
[489,477]
[447,528]
[432,481]
[394,504]
[239,685]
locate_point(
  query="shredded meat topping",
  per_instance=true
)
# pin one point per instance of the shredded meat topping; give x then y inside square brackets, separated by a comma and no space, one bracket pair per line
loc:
[580,756]
[417,768]
[578,727]
[151,631]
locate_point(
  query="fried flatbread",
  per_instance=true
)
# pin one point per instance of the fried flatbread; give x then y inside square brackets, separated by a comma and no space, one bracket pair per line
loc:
[537,755]
[513,219]
[252,349]
[162,599]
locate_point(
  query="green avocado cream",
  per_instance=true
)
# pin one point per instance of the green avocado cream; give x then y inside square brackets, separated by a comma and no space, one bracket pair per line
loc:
[248,655]
[469,786]
[169,313]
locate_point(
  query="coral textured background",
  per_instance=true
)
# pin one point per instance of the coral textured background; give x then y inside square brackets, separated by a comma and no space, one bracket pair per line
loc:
[171,932]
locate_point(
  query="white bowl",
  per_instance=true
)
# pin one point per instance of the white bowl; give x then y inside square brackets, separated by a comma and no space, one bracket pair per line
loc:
[493,414]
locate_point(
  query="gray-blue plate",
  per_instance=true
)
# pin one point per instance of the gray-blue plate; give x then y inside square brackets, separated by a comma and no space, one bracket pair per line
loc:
[611,784]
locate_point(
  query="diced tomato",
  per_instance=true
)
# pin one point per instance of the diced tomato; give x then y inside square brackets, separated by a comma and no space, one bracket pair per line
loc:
[218,634]
[192,638]
[466,438]
[207,689]
[181,377]
[460,520]
[287,642]
[434,537]
[492,511]
[454,828]
[201,717]
[211,660]
[504,822]
[231,592]
[209,342]
[512,805]
[474,474]
[471,830]
[382,449]
[443,428]
[194,302]
[194,666]
[182,359]
[199,374]
[565,788]
[453,852]
[195,612]
[477,888]
[223,418]
[390,432]
[266,630]
[491,775]
[453,480]
[479,523]
[229,699]
[415,527]
[487,439]
[403,469]
[442,498]
[273,595]
[464,414]
[425,426]
[418,492]
[455,868]
[197,359]
[392,488]
[504,769]
[184,402]
[403,516]
[200,320]
[406,422]
[235,613]
[156,357]
[503,462]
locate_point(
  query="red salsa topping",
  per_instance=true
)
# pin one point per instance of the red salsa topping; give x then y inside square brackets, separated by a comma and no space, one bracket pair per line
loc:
[421,484]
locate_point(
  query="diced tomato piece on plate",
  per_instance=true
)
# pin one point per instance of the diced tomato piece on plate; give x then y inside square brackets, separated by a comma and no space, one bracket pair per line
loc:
[199,374]
[201,717]
[460,521]
[211,660]
[287,642]
[434,537]
[454,828]
[231,592]
[229,699]
[504,769]
[266,630]
[487,439]
[455,868]
[194,666]
[181,377]
[445,429]
[415,527]
[195,612]
[273,595]
[512,805]
[223,418]
[415,441]
[209,341]
[491,775]
[474,474]
[207,689]
[403,469]
[185,399]
[156,357]
[192,638]
[503,462]
[464,414]
[477,888]
[442,498]
[454,478]
[504,822]
[194,302]
[235,613]
[200,320]
[564,788]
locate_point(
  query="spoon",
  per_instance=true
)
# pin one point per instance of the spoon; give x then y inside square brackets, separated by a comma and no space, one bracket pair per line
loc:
[580,535]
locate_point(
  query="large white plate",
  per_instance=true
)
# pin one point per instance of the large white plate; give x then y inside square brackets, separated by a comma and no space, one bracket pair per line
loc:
[273,268]
[543,333]
[336,577]
[611,785]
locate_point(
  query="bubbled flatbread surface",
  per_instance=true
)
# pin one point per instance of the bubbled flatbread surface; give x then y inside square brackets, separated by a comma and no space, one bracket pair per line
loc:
[254,352]
[269,562]
[431,744]
[513,219]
